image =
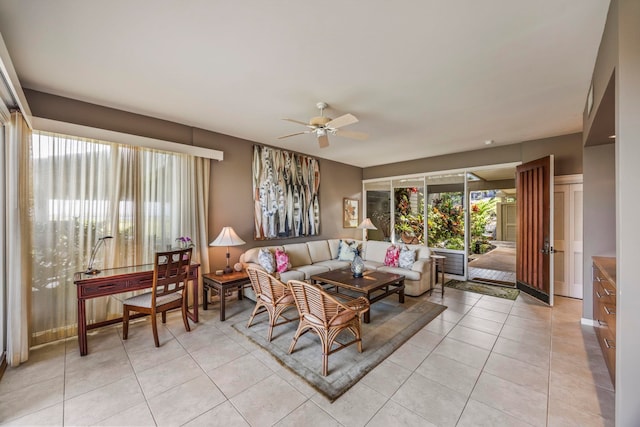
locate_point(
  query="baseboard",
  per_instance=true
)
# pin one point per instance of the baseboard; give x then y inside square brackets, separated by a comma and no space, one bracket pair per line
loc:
[588,322]
[3,363]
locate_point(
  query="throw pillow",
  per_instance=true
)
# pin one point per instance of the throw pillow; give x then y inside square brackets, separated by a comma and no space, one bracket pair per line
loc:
[347,251]
[266,260]
[407,257]
[392,255]
[282,261]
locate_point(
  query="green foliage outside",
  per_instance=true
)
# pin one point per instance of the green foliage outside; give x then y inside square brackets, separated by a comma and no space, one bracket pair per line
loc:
[446,221]
[409,225]
[483,212]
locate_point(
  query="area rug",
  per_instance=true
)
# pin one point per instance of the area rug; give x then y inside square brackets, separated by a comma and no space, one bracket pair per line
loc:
[391,325]
[481,288]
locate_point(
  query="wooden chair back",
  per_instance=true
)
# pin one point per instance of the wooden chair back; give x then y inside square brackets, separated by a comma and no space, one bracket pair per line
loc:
[171,272]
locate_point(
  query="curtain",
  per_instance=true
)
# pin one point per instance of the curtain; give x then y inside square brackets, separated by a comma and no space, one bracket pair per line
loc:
[86,189]
[17,237]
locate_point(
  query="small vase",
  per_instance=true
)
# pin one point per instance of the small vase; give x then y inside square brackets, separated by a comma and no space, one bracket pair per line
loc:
[357,266]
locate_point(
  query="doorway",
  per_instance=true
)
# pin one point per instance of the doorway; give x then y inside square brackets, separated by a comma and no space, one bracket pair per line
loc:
[492,226]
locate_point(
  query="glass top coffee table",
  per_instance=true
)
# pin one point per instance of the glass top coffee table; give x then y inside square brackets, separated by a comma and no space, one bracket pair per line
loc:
[374,285]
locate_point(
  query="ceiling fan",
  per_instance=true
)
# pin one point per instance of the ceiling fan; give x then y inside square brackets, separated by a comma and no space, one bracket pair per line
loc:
[323,126]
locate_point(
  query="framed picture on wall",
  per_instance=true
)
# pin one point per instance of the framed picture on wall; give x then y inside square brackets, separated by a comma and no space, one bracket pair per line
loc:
[350,213]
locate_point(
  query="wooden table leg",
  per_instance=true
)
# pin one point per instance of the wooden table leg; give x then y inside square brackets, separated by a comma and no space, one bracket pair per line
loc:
[222,292]
[194,288]
[82,327]
[205,296]
[401,293]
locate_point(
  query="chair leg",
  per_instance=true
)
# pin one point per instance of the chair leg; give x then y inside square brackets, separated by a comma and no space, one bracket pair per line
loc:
[164,317]
[154,326]
[184,318]
[253,314]
[301,327]
[125,323]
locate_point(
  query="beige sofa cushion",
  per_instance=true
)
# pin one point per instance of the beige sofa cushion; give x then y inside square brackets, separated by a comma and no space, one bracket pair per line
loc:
[298,254]
[319,251]
[375,250]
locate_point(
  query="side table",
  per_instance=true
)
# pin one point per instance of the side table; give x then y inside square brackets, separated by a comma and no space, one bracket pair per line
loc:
[438,264]
[222,284]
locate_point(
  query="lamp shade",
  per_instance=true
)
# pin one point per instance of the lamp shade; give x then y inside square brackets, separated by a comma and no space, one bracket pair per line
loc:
[227,237]
[367,225]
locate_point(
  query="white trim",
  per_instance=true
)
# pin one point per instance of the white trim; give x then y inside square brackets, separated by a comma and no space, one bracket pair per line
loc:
[568,179]
[440,172]
[9,73]
[588,322]
[48,125]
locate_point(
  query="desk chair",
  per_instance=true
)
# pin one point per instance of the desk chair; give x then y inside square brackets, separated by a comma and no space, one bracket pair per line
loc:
[169,291]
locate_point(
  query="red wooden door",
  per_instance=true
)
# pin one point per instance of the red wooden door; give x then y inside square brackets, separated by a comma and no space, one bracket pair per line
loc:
[534,262]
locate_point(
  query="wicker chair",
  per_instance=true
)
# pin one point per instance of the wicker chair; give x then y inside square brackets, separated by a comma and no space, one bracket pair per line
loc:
[169,291]
[327,316]
[272,296]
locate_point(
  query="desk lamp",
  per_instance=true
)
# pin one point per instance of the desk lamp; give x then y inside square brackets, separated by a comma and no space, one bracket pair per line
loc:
[90,269]
[227,237]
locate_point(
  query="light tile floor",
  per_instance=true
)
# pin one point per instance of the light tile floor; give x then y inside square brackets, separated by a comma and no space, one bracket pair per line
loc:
[483,362]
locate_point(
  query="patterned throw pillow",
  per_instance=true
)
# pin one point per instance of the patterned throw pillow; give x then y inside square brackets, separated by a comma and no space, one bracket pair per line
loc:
[347,251]
[407,257]
[266,260]
[282,261]
[391,258]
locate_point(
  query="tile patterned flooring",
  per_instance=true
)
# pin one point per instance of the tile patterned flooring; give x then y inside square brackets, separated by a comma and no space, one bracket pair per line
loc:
[474,365]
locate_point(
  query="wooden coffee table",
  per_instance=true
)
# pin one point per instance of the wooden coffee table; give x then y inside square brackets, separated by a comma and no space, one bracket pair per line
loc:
[374,285]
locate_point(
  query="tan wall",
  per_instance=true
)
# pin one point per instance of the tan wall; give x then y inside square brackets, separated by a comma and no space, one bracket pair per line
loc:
[567,151]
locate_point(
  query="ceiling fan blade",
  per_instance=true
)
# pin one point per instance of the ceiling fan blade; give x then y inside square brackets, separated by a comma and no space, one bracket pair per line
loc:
[347,119]
[297,121]
[323,140]
[351,134]
[293,134]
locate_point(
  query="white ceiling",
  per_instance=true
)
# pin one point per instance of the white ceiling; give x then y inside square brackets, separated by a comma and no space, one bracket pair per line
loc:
[425,78]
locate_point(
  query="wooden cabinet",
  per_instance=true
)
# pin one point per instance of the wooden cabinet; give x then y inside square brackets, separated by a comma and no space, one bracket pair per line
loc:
[604,309]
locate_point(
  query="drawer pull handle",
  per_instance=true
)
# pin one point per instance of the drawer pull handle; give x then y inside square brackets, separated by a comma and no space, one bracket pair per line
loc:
[598,279]
[608,345]
[598,294]
[607,291]
[609,311]
[109,286]
[601,323]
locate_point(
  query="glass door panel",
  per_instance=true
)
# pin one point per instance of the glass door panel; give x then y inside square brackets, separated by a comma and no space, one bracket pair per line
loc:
[408,210]
[378,209]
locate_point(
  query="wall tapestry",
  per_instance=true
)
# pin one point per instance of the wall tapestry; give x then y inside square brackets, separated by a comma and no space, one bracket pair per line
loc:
[285,192]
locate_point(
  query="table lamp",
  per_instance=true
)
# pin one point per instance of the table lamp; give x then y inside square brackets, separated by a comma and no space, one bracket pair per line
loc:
[227,237]
[366,224]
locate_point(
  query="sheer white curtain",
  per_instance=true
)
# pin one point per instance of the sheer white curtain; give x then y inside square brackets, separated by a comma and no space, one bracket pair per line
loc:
[86,189]
[17,237]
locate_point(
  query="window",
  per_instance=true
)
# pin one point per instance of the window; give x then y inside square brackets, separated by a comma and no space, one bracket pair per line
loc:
[86,189]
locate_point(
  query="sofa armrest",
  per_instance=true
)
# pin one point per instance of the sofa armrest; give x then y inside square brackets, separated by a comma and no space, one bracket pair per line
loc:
[422,265]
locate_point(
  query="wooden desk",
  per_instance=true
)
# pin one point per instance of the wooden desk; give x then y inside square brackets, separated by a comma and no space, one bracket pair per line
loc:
[115,281]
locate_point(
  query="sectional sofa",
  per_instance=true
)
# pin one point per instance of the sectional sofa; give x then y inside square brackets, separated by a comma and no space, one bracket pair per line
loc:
[314,257]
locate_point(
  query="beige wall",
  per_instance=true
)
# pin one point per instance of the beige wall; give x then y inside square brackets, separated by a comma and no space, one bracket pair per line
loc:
[231,200]
[567,151]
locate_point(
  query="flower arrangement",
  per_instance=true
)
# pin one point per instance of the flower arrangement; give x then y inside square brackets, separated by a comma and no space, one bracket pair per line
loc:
[185,242]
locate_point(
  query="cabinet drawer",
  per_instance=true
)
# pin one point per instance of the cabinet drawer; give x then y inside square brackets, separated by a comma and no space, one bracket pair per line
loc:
[608,346]
[603,291]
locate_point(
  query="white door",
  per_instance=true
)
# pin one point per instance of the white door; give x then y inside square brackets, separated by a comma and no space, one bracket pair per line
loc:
[568,238]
